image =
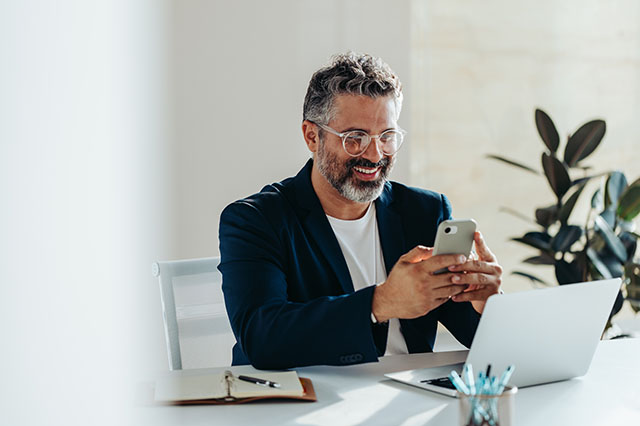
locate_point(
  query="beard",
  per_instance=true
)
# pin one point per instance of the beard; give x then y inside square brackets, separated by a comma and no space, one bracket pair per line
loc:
[343,179]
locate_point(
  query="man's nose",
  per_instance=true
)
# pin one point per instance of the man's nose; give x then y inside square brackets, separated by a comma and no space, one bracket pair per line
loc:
[373,152]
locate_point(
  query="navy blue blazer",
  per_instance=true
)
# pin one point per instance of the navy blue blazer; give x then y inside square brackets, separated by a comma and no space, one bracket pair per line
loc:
[288,290]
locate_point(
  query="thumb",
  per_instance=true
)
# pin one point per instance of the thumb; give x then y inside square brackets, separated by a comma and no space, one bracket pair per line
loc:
[417,254]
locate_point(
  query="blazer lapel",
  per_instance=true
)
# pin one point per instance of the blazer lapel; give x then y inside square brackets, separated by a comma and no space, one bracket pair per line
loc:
[389,228]
[393,244]
[317,225]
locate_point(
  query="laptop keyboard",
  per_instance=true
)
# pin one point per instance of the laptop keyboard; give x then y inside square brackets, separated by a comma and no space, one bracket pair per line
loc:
[443,382]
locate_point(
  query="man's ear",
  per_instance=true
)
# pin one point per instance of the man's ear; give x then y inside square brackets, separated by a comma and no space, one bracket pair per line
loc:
[310,134]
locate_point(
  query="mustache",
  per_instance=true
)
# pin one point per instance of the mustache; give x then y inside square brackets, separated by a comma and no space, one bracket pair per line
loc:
[363,162]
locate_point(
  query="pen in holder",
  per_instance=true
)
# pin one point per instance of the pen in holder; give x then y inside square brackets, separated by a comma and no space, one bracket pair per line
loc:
[489,410]
[485,400]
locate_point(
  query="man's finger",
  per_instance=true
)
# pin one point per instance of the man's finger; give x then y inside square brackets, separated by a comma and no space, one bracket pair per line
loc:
[448,291]
[417,254]
[483,250]
[478,266]
[429,281]
[480,294]
[477,278]
[441,261]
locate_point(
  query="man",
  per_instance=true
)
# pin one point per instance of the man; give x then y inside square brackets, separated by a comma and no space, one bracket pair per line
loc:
[334,265]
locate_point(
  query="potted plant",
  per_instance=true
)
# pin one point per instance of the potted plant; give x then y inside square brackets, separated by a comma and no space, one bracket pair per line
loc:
[604,245]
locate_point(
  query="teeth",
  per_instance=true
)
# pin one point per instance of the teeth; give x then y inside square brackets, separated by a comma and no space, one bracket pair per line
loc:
[366,171]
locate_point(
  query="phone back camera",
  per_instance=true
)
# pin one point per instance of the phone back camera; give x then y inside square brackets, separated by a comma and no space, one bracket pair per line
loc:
[451,230]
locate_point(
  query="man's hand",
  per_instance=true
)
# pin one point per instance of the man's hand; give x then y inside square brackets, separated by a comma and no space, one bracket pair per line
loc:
[411,290]
[483,275]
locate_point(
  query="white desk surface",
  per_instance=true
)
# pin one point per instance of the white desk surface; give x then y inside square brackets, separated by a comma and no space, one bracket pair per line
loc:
[608,395]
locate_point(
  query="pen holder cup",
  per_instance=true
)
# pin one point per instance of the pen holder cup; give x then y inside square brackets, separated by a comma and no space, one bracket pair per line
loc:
[489,410]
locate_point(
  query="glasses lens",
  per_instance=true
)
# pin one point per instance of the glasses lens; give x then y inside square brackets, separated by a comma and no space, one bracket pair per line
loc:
[355,142]
[391,141]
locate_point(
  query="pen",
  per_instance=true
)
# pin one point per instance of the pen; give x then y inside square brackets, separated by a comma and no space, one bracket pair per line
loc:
[458,383]
[257,381]
[505,378]
[467,372]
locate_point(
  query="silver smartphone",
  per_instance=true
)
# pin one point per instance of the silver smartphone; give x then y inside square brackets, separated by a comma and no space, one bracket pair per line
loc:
[454,237]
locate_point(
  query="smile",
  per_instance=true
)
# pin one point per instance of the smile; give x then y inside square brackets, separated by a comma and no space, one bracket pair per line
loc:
[366,171]
[366,174]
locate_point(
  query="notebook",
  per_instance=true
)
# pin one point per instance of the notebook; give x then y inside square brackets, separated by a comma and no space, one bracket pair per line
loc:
[225,387]
[549,334]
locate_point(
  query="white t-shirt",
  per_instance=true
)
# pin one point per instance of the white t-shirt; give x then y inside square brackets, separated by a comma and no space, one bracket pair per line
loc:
[360,243]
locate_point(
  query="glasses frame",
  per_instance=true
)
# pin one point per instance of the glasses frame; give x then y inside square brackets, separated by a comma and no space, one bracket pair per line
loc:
[344,136]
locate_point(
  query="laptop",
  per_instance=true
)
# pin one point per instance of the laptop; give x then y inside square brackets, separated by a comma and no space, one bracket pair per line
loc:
[549,334]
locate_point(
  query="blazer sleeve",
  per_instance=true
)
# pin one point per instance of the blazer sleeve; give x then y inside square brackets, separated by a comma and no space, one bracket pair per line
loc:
[273,332]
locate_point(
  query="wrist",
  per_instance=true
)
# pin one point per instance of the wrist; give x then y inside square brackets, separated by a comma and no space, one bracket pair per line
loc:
[379,312]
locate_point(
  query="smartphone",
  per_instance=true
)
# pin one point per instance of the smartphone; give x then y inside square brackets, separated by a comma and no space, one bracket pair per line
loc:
[454,237]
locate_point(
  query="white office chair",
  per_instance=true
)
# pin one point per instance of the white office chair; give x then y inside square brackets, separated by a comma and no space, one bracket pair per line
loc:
[196,326]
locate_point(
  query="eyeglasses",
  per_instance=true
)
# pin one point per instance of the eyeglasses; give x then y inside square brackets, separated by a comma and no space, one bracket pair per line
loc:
[356,142]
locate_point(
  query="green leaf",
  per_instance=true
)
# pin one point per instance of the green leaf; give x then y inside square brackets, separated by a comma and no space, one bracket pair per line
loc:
[567,207]
[512,163]
[629,203]
[557,174]
[531,277]
[543,259]
[609,216]
[616,184]
[566,236]
[588,178]
[584,141]
[582,263]
[612,263]
[598,264]
[568,273]
[613,242]
[597,201]
[630,242]
[539,240]
[546,216]
[547,130]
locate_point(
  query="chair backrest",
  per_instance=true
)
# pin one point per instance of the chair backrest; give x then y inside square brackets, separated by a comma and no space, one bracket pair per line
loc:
[196,326]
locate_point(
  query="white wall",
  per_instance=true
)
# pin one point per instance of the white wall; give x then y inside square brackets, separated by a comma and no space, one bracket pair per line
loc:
[240,70]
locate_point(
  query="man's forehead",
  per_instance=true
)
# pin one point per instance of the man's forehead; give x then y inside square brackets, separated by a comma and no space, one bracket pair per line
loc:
[361,110]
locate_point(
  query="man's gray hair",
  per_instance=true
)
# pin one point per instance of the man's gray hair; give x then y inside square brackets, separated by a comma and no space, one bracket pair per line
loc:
[353,74]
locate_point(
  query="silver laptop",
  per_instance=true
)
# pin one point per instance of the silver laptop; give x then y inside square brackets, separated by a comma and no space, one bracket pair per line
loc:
[549,335]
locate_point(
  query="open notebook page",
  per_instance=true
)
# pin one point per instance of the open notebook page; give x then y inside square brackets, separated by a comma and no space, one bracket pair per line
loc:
[187,387]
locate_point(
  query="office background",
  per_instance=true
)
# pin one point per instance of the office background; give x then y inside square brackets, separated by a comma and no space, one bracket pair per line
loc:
[126,127]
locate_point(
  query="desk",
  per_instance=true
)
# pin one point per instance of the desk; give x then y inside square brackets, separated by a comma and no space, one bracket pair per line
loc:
[608,395]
